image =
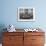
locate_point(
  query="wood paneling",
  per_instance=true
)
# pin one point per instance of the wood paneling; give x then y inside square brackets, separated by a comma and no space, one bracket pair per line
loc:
[34,39]
[23,38]
[13,39]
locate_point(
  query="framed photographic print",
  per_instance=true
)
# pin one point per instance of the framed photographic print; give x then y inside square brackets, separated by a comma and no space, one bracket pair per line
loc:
[26,14]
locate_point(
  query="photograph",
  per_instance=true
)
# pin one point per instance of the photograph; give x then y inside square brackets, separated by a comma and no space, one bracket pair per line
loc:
[26,14]
[22,23]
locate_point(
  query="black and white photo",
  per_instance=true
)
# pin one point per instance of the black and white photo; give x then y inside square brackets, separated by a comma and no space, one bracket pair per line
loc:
[26,14]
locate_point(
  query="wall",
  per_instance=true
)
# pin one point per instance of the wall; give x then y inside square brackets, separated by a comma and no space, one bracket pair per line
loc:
[8,15]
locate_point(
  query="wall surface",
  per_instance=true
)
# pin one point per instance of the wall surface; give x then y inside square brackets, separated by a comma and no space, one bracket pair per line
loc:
[8,13]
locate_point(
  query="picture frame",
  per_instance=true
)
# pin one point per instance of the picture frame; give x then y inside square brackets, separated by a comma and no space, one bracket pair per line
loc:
[26,14]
